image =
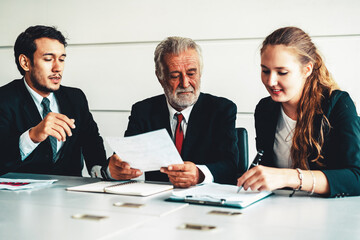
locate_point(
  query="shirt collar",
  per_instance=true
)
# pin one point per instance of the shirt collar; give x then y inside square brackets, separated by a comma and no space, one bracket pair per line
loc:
[186,112]
[37,97]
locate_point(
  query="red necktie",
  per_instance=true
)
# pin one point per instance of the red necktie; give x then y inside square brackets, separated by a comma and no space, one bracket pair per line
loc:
[179,134]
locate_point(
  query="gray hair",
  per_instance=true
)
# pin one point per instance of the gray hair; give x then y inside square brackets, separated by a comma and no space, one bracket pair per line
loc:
[174,45]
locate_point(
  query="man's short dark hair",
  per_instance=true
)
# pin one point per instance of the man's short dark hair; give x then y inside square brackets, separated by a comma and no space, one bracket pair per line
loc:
[25,42]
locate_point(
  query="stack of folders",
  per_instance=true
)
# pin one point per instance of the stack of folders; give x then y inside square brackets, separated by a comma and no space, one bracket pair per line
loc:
[218,195]
[135,188]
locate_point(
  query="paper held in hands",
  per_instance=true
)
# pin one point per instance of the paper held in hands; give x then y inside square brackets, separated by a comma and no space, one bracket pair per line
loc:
[219,195]
[148,151]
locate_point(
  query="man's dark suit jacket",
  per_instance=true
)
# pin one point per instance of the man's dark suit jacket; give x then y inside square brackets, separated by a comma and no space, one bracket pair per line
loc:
[18,113]
[341,148]
[210,137]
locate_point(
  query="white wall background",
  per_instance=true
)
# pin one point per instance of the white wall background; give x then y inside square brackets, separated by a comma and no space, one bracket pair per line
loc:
[111,45]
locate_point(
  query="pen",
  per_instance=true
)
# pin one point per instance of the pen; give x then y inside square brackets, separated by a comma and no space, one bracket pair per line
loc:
[256,162]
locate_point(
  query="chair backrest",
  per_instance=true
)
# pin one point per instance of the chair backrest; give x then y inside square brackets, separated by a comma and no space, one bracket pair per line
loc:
[243,147]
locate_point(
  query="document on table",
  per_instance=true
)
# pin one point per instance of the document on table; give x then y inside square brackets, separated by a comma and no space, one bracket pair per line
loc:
[132,187]
[148,151]
[23,184]
[218,194]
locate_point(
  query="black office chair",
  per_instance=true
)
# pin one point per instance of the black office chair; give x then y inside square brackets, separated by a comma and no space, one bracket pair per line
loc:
[242,143]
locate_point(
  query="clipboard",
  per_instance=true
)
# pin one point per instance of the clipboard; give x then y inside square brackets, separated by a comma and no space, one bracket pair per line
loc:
[221,195]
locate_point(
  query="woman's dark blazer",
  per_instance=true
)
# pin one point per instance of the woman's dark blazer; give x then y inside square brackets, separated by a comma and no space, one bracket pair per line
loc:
[341,148]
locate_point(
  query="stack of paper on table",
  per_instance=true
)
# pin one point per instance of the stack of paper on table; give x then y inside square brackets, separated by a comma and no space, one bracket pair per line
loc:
[23,184]
[135,188]
[218,194]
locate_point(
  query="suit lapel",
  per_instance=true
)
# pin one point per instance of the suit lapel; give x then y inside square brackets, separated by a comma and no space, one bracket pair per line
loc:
[271,121]
[30,109]
[193,129]
[64,103]
[161,115]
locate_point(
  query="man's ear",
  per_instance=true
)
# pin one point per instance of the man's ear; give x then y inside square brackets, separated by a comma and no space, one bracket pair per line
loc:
[24,62]
[158,77]
[308,69]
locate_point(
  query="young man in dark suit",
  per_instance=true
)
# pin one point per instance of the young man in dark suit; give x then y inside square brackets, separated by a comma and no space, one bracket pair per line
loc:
[46,128]
[201,125]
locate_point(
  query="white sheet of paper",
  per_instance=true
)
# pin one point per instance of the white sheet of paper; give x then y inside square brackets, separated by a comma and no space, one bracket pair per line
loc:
[23,184]
[148,151]
[220,191]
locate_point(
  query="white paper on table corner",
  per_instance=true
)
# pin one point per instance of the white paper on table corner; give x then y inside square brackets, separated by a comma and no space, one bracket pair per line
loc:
[23,184]
[147,151]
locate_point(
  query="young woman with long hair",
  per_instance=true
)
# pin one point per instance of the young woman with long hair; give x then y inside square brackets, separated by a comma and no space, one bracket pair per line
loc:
[308,129]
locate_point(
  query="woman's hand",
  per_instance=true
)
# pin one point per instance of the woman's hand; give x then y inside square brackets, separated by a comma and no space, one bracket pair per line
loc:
[261,178]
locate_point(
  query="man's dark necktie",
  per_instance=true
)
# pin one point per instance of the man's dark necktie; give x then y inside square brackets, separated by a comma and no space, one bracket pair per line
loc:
[53,141]
[179,134]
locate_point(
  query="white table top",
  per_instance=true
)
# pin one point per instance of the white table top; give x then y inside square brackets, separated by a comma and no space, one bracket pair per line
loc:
[47,214]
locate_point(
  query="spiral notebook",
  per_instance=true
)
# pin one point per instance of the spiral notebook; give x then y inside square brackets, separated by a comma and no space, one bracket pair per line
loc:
[134,188]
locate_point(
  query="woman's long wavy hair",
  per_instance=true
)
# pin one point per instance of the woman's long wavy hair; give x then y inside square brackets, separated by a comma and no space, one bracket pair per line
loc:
[319,85]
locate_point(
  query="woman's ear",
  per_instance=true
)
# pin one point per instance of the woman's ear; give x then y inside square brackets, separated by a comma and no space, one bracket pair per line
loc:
[24,62]
[308,69]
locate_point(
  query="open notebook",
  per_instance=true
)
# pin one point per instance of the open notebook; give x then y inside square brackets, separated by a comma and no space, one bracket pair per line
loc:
[218,195]
[135,188]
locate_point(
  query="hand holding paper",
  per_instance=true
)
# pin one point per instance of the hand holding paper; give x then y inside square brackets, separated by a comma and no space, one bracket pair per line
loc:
[184,175]
[120,170]
[145,152]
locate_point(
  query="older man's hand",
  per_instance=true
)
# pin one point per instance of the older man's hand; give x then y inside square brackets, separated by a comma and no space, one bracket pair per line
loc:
[120,170]
[184,175]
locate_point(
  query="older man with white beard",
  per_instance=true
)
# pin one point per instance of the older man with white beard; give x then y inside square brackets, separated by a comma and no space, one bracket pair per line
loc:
[201,125]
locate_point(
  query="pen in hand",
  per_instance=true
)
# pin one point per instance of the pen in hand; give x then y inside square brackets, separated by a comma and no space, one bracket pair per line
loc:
[256,162]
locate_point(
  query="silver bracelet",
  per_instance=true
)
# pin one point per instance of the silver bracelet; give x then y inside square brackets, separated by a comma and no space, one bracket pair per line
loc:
[314,183]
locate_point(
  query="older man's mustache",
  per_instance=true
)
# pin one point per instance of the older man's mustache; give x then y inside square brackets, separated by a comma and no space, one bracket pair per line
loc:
[181,90]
